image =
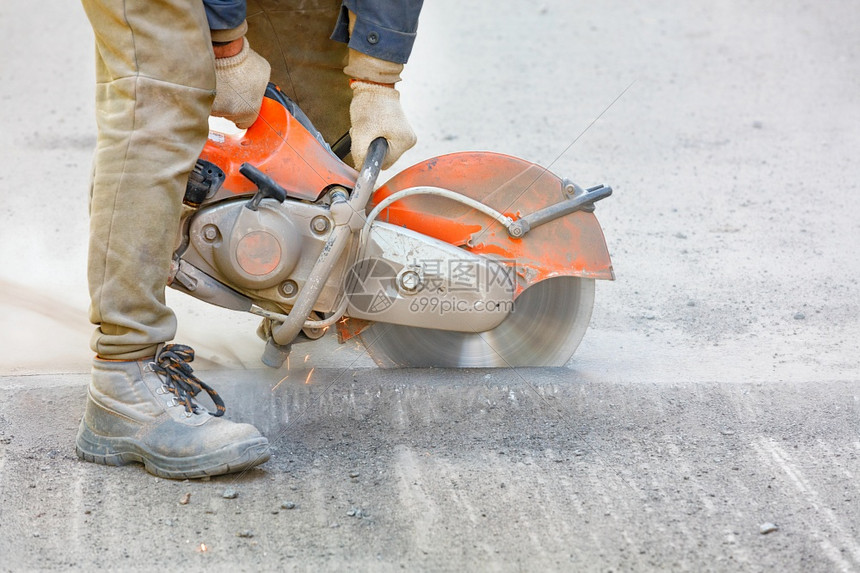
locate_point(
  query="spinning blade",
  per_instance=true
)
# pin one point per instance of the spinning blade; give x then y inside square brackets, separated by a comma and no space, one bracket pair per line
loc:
[546,325]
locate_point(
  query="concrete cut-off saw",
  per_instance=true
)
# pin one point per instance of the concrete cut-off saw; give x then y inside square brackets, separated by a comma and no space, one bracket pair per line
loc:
[472,259]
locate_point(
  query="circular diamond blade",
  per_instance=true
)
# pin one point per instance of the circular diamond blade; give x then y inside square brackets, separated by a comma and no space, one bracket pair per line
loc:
[546,325]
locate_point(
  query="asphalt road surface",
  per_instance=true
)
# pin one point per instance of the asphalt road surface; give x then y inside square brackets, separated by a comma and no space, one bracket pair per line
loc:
[708,421]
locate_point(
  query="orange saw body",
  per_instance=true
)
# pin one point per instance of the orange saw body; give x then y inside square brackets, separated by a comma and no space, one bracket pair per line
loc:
[281,227]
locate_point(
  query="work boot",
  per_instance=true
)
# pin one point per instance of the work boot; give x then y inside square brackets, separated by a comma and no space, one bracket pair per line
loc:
[144,411]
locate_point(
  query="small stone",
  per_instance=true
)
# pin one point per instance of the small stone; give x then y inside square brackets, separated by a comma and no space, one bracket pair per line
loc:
[799,316]
[246,533]
[766,528]
[230,493]
[691,303]
[351,512]
[185,498]
[727,432]
[680,236]
[354,474]
[288,505]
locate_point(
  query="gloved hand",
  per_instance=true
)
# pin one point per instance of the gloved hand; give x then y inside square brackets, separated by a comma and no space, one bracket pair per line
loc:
[375,111]
[240,82]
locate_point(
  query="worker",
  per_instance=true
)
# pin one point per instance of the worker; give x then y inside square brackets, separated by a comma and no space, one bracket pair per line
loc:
[162,67]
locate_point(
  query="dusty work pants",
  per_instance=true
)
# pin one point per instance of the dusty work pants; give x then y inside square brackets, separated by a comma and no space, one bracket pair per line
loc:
[155,77]
[155,85]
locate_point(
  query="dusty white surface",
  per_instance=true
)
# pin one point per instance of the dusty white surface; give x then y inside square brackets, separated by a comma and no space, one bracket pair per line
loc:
[716,389]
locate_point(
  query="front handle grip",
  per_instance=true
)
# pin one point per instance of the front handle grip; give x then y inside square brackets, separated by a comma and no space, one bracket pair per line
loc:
[376,152]
[364,185]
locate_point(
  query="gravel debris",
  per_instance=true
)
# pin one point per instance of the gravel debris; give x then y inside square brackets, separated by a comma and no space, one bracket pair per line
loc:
[768,527]
[230,493]
[185,498]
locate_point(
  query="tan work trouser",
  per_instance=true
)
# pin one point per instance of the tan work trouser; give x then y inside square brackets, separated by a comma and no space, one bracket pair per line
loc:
[155,85]
[155,75]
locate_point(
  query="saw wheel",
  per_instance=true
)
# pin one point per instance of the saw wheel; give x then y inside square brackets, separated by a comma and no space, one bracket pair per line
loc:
[544,328]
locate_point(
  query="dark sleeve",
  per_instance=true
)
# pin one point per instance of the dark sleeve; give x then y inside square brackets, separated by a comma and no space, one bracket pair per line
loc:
[384,29]
[224,14]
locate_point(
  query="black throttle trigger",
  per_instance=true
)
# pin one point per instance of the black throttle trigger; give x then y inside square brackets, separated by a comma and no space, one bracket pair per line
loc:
[203,182]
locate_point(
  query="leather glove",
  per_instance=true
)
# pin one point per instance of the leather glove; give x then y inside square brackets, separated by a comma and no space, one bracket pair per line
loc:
[375,111]
[240,82]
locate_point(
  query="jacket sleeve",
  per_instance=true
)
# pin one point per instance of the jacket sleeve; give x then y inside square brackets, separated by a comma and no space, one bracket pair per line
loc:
[384,29]
[224,14]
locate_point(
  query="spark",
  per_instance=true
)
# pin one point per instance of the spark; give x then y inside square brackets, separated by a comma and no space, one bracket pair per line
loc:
[308,379]
[202,548]
[281,382]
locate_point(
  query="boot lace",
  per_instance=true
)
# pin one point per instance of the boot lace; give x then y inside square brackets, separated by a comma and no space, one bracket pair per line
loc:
[178,378]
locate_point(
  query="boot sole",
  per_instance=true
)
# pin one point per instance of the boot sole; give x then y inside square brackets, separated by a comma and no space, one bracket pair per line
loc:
[109,451]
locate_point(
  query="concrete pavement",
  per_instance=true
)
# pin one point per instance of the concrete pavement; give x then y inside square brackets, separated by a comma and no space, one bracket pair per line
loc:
[715,392]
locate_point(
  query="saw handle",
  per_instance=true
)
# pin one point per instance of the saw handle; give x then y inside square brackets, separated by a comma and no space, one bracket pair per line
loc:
[267,187]
[364,185]
[285,332]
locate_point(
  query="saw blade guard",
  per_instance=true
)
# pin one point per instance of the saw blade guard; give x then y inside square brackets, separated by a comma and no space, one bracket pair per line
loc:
[572,245]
